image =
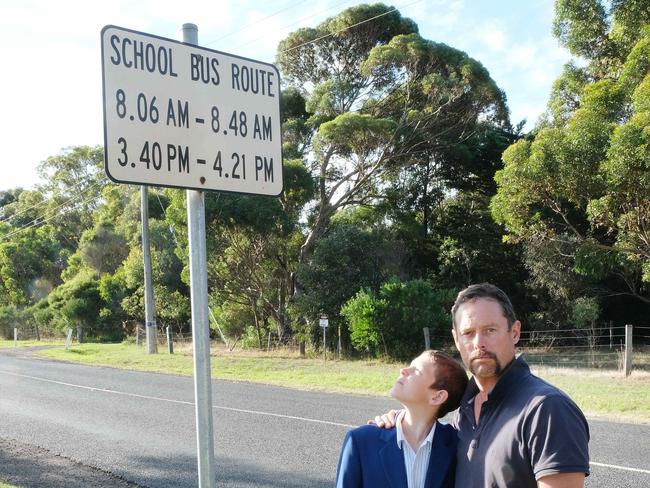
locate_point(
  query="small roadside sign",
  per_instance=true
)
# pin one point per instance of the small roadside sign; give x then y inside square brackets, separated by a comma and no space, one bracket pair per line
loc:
[323,321]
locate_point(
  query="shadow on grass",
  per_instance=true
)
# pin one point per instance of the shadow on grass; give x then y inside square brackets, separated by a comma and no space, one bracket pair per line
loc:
[82,352]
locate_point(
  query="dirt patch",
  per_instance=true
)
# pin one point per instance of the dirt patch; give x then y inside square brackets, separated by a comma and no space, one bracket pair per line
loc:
[32,467]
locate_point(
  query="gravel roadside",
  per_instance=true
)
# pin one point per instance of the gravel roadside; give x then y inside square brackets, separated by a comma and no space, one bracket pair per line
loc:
[32,467]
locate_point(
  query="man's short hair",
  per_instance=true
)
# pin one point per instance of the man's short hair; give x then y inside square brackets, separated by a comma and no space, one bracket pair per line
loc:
[489,292]
[451,377]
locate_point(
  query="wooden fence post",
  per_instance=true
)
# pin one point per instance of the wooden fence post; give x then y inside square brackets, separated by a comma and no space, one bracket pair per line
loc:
[611,334]
[339,341]
[427,338]
[170,340]
[628,350]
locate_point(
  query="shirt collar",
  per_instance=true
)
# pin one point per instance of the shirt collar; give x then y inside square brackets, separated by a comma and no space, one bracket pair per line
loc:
[400,431]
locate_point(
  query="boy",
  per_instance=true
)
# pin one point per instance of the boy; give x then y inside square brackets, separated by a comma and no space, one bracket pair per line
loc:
[419,452]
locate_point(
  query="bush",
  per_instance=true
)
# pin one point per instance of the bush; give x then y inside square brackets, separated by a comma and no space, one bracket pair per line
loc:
[391,322]
[9,317]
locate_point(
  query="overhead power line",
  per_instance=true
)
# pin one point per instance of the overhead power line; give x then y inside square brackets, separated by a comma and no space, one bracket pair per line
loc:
[42,219]
[299,21]
[394,9]
[43,202]
[252,24]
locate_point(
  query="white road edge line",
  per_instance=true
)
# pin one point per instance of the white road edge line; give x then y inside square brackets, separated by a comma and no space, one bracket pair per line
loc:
[255,412]
[625,468]
[147,397]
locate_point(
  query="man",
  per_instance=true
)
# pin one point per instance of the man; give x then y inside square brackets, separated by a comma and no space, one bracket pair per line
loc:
[514,429]
[419,452]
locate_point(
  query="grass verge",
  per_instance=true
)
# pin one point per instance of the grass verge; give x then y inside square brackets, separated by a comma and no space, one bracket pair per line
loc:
[598,393]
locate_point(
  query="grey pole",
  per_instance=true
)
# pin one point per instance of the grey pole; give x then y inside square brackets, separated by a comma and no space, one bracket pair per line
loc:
[200,324]
[627,362]
[170,341]
[149,307]
[611,334]
[339,341]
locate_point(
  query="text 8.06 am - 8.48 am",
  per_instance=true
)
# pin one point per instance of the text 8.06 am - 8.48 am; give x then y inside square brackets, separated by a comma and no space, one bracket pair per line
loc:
[176,157]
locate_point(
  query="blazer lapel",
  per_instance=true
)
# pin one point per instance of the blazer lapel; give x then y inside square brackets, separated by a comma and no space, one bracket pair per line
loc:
[441,457]
[392,460]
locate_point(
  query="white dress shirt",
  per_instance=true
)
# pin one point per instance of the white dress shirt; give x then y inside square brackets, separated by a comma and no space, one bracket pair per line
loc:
[415,462]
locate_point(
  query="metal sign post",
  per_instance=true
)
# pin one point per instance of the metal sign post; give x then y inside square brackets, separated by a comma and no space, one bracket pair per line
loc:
[324,324]
[200,323]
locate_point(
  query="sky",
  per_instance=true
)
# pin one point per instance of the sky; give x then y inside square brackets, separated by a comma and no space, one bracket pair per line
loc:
[51,81]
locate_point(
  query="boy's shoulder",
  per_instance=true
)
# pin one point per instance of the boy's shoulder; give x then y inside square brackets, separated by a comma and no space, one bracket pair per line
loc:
[372,432]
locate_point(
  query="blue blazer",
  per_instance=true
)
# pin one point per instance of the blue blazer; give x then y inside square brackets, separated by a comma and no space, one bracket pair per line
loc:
[371,458]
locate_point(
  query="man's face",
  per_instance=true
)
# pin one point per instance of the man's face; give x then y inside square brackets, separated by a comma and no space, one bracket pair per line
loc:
[412,385]
[483,339]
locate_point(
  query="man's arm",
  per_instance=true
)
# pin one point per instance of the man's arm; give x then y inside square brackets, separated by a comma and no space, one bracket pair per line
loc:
[557,436]
[562,480]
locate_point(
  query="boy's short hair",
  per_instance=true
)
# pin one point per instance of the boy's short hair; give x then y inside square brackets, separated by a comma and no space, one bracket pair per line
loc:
[451,377]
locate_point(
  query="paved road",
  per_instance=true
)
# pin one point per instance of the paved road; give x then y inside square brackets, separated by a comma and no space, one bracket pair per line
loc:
[140,426]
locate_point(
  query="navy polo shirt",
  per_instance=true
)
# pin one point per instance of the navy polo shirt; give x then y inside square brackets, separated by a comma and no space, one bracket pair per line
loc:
[527,429]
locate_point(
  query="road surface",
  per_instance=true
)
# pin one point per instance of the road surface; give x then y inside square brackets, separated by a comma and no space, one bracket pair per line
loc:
[139,428]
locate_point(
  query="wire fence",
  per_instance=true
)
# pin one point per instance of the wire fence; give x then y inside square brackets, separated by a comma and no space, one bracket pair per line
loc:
[596,348]
[182,341]
[600,348]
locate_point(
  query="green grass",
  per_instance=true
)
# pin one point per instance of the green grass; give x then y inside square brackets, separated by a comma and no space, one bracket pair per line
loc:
[284,369]
[6,485]
[605,394]
[598,393]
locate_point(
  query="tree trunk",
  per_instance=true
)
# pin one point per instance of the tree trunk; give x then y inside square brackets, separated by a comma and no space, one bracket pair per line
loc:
[80,334]
[282,309]
[257,324]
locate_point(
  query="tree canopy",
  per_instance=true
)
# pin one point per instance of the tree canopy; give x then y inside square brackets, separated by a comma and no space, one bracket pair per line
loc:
[580,182]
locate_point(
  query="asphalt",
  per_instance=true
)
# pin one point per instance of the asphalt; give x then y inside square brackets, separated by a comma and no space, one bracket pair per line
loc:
[137,429]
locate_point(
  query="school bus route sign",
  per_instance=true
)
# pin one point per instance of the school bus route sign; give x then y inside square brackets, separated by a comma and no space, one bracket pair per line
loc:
[184,116]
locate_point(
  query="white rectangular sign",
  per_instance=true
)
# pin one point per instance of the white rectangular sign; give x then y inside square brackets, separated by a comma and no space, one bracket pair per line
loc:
[184,116]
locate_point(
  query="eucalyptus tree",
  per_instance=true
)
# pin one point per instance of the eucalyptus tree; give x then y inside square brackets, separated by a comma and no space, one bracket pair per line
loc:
[72,183]
[29,266]
[580,184]
[380,98]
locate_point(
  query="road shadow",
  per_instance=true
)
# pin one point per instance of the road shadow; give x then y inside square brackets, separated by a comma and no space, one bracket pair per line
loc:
[181,472]
[32,467]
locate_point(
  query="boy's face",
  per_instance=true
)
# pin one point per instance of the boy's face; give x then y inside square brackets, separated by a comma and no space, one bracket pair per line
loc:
[413,384]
